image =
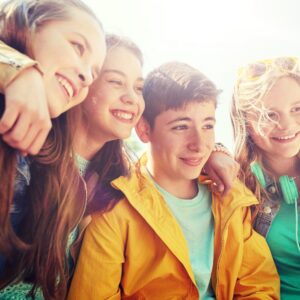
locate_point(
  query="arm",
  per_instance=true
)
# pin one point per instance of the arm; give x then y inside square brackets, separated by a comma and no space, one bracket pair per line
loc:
[99,268]
[258,277]
[25,122]
[222,169]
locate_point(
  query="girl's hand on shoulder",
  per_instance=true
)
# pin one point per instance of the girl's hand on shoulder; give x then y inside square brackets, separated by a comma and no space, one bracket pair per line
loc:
[25,122]
[223,170]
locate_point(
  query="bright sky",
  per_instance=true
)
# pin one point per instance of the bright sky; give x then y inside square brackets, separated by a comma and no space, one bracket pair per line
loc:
[213,36]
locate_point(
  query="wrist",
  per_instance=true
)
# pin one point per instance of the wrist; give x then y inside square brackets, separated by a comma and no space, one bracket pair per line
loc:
[219,147]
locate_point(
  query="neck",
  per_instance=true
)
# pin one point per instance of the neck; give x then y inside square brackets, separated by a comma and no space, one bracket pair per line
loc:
[86,144]
[180,188]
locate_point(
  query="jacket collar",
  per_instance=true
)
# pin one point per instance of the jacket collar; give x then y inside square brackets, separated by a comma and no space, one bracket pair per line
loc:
[145,198]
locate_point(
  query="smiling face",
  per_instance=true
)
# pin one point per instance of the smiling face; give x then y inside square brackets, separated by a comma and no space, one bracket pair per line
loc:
[115,102]
[281,138]
[181,142]
[70,54]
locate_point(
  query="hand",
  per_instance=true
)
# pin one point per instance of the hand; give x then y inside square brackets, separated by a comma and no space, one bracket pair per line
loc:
[26,123]
[223,170]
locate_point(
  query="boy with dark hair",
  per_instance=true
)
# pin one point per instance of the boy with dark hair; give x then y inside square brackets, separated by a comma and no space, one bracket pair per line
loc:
[170,237]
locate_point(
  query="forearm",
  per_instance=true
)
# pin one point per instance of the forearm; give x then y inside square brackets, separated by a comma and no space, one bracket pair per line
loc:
[12,63]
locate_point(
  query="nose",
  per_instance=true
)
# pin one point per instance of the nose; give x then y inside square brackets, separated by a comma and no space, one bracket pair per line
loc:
[86,76]
[129,97]
[284,122]
[195,142]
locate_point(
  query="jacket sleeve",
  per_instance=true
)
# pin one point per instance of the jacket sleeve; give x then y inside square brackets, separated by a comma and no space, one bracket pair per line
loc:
[99,267]
[258,277]
[12,63]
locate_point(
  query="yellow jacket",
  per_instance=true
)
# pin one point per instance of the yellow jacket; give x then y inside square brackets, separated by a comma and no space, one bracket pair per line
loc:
[138,251]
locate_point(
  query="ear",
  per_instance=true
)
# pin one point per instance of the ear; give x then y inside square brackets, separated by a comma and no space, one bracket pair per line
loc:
[143,130]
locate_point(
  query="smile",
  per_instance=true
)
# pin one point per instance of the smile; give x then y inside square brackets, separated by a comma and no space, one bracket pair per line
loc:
[67,86]
[192,161]
[286,138]
[123,115]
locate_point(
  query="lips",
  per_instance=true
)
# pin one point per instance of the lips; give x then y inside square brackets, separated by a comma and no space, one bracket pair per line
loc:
[67,85]
[193,162]
[285,138]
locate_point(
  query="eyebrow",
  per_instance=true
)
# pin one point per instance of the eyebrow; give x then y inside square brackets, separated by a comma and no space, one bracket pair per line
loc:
[120,73]
[189,120]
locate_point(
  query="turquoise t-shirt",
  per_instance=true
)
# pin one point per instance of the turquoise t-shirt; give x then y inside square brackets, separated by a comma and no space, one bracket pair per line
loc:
[282,242]
[196,221]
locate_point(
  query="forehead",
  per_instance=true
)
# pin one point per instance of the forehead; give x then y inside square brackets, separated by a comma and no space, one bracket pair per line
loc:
[285,90]
[122,59]
[193,111]
[76,20]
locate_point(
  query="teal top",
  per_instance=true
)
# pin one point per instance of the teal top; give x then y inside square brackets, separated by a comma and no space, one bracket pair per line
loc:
[196,221]
[20,290]
[282,242]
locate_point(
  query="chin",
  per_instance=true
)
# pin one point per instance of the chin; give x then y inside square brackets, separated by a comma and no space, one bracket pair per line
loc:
[55,112]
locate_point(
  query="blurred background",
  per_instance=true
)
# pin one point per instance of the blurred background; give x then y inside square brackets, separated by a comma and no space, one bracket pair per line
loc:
[214,36]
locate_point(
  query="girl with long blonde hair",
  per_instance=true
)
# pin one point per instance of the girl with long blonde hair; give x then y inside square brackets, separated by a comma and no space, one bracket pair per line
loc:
[266,120]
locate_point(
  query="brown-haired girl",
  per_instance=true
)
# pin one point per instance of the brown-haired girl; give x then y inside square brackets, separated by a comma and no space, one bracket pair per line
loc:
[37,197]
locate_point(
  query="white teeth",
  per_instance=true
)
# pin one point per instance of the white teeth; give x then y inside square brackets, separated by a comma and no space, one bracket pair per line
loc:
[66,85]
[123,115]
[285,137]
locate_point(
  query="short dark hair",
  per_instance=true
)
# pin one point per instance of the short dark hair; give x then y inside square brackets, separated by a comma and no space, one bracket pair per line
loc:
[173,85]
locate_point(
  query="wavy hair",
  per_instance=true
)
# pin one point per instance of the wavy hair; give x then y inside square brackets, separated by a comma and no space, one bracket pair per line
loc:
[254,81]
[37,253]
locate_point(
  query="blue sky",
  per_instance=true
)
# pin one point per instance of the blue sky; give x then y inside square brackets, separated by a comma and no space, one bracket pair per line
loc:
[214,36]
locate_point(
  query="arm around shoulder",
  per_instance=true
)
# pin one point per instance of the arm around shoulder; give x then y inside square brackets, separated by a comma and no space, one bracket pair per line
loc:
[12,63]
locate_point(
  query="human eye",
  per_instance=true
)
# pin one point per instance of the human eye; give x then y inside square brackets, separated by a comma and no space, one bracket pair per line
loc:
[209,126]
[139,89]
[115,82]
[79,47]
[296,109]
[272,115]
[180,127]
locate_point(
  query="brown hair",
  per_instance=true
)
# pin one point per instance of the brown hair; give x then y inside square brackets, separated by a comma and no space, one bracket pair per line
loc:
[39,249]
[111,161]
[173,85]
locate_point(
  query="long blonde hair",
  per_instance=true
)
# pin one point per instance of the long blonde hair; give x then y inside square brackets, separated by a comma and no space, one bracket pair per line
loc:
[254,81]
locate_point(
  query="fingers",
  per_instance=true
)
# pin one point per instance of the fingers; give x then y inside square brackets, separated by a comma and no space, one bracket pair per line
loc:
[17,130]
[38,142]
[26,122]
[218,185]
[28,138]
[8,119]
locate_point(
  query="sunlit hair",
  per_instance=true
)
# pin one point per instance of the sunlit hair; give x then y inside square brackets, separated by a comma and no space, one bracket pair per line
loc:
[254,81]
[111,161]
[173,85]
[115,41]
[38,253]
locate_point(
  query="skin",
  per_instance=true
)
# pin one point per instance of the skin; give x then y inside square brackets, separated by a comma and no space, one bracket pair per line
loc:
[70,57]
[114,104]
[181,141]
[223,171]
[280,142]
